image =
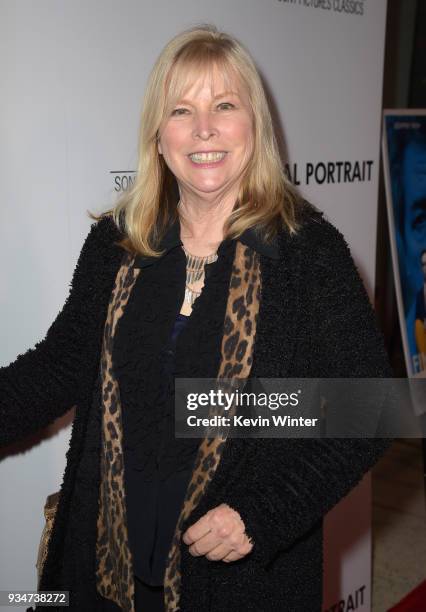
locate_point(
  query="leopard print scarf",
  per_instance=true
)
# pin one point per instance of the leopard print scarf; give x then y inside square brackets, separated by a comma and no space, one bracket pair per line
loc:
[114,574]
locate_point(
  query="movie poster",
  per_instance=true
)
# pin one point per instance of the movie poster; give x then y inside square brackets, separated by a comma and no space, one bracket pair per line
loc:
[404,158]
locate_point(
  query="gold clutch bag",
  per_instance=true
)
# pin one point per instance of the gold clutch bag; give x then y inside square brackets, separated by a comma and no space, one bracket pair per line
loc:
[49,514]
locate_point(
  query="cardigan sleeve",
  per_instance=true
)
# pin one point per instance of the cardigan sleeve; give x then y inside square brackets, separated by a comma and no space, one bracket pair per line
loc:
[296,482]
[49,379]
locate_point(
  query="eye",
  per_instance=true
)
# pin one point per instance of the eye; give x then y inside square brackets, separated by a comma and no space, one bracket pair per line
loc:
[419,219]
[226,104]
[178,111]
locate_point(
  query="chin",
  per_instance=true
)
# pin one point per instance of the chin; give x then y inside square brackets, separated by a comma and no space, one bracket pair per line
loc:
[211,191]
[211,185]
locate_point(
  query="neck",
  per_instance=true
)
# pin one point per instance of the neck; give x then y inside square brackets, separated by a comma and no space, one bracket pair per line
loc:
[202,223]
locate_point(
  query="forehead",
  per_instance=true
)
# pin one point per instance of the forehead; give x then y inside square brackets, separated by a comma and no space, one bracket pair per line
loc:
[191,79]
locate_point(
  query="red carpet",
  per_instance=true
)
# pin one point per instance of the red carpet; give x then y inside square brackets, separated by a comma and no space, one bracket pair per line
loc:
[413,602]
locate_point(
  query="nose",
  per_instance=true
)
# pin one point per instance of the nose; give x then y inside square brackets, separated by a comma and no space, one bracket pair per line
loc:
[204,126]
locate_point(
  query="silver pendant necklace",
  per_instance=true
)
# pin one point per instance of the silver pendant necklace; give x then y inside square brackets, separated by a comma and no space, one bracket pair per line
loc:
[195,272]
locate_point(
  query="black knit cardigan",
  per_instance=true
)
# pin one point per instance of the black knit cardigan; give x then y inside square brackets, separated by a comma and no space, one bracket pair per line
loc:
[315,320]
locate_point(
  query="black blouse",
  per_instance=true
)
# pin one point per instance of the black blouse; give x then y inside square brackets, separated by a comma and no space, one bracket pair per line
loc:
[153,345]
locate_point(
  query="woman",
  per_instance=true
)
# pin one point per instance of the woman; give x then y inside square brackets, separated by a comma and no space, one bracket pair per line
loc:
[209,267]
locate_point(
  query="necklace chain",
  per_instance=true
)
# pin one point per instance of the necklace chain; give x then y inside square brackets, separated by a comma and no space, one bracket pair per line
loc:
[195,265]
[195,272]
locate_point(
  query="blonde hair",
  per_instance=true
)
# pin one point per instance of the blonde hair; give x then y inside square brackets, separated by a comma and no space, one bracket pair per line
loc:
[266,198]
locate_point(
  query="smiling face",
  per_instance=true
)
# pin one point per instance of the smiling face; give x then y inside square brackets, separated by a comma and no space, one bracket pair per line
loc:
[207,138]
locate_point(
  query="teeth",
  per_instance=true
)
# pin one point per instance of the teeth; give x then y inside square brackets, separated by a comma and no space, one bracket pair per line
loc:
[207,157]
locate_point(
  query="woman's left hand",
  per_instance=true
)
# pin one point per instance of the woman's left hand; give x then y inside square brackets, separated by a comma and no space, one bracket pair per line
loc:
[219,535]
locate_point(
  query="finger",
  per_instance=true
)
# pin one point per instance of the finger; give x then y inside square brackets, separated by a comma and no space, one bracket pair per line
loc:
[240,552]
[232,556]
[221,518]
[197,530]
[205,544]
[218,553]
[227,535]
[225,520]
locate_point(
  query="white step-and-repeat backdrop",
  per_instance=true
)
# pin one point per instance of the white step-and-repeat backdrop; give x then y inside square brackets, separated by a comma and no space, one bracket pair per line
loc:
[73,77]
